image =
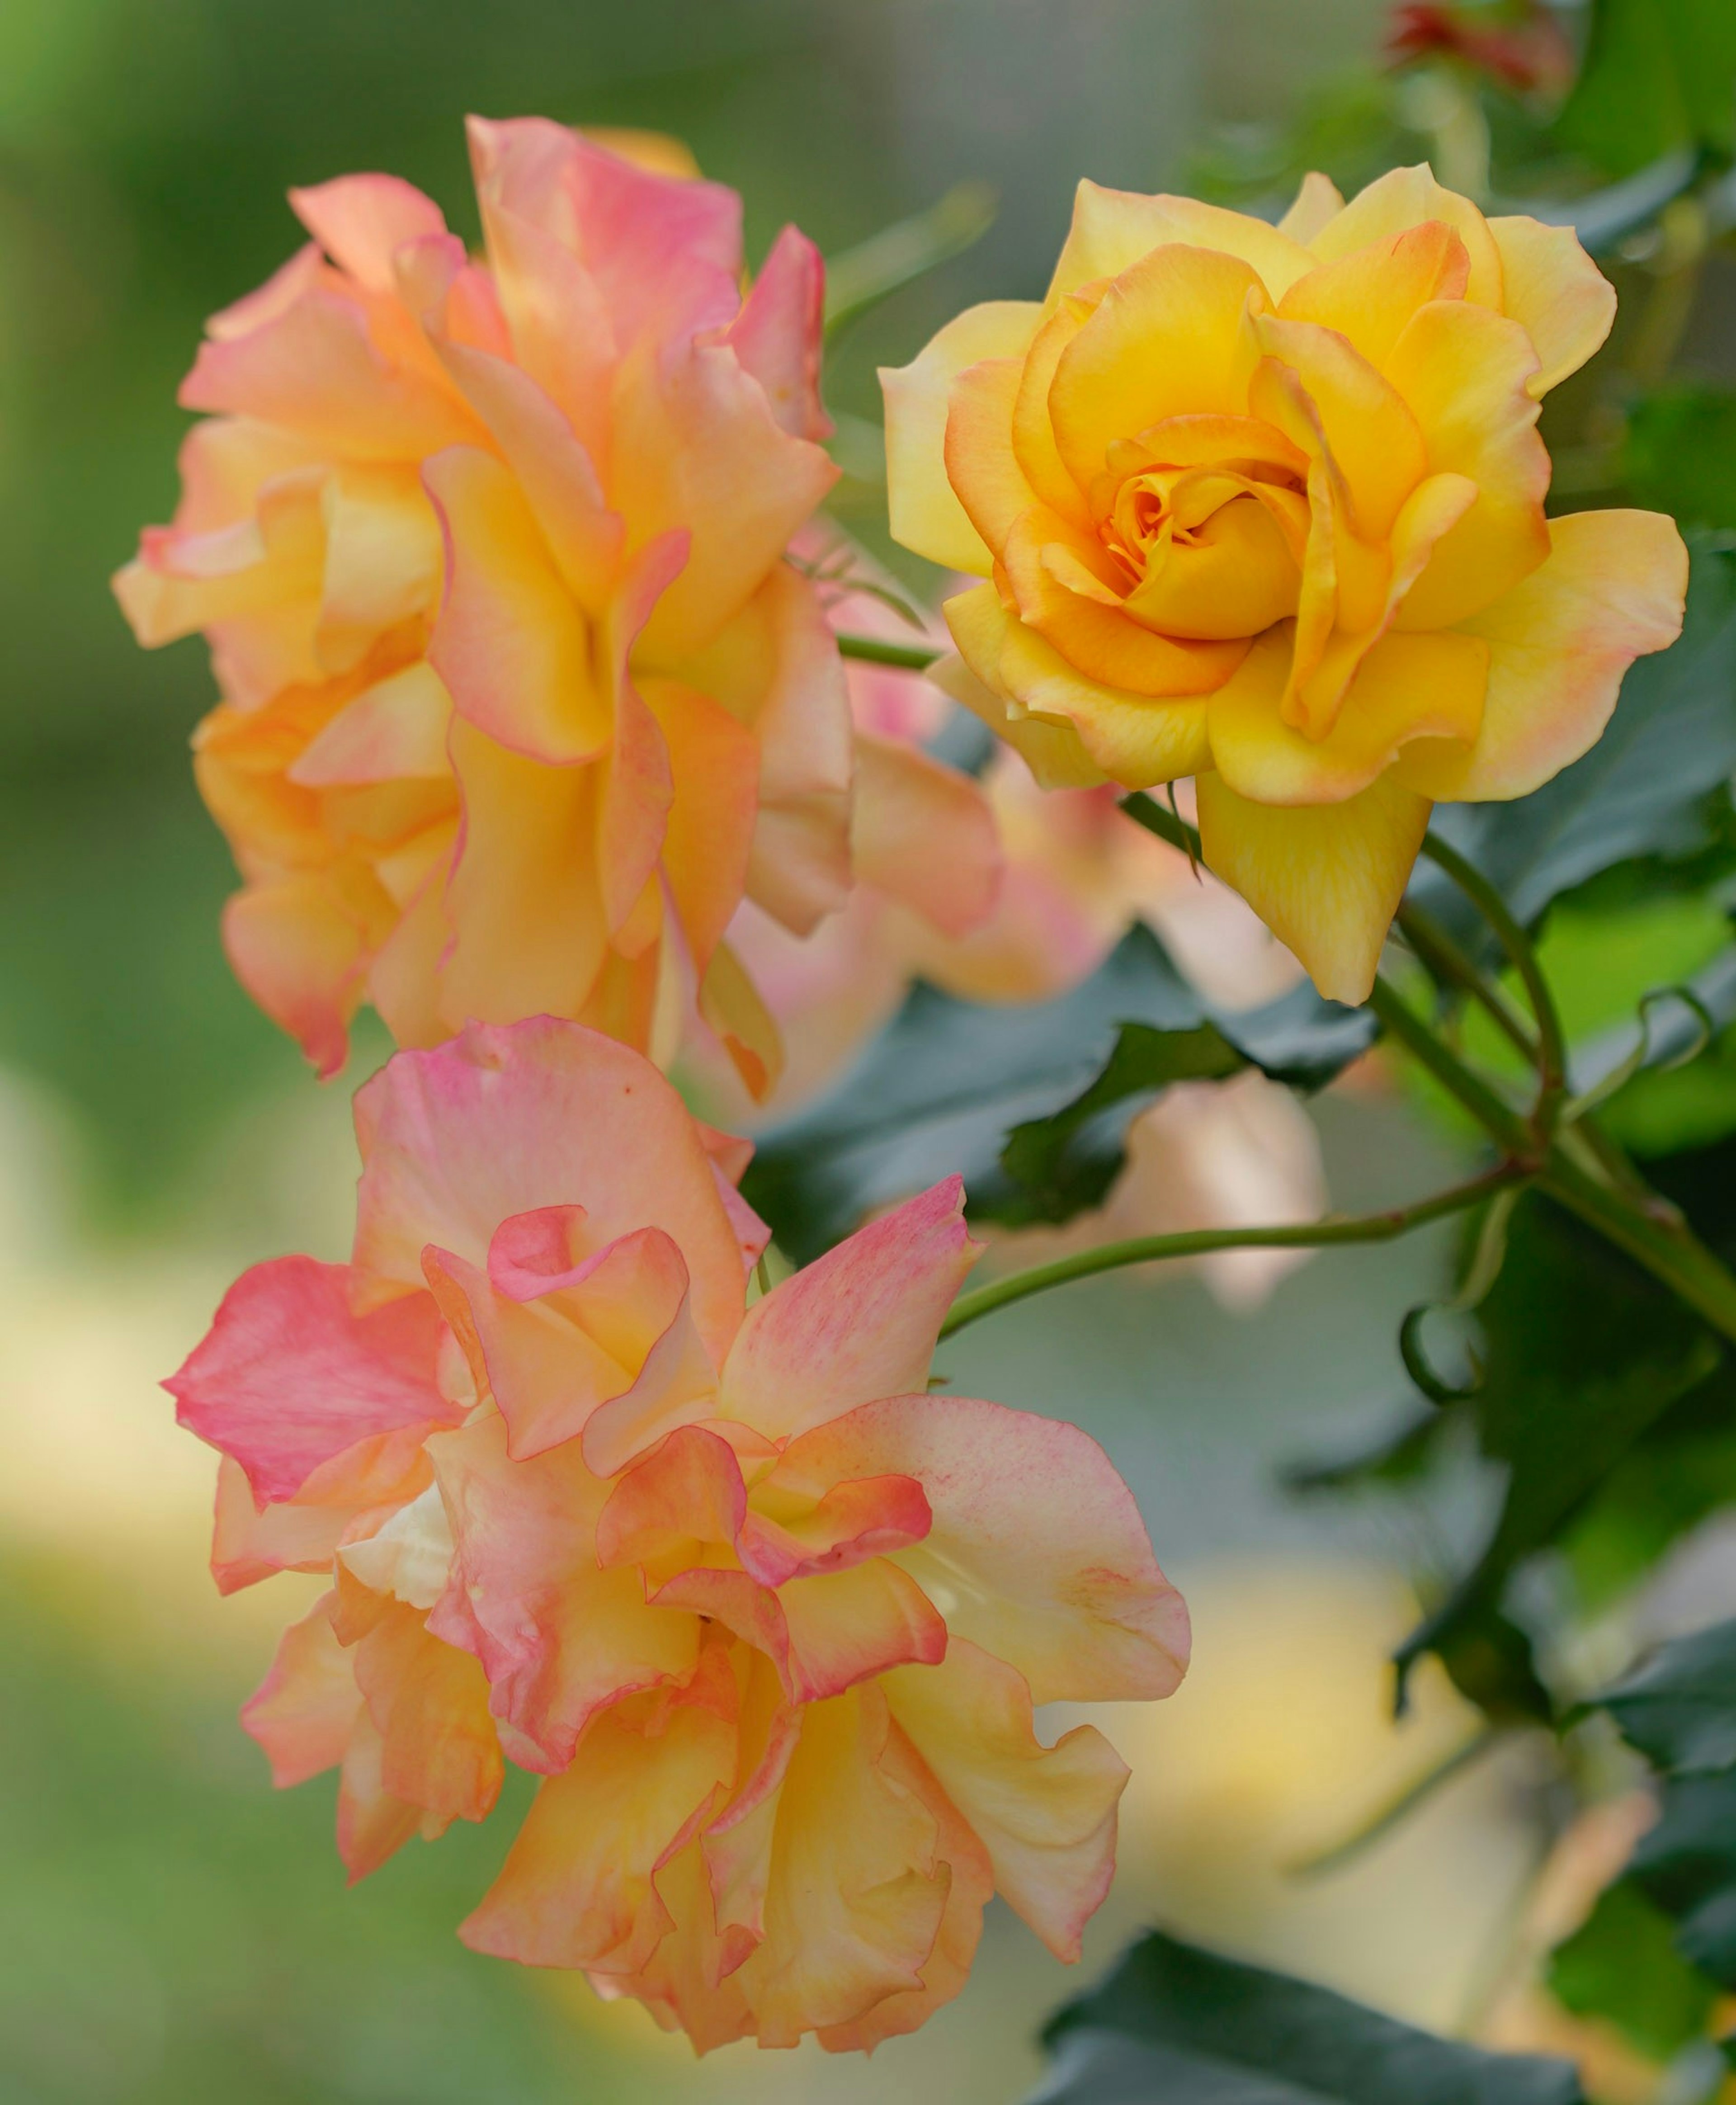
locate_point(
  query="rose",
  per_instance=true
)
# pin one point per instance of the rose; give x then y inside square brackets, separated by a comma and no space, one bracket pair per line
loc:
[1264,506]
[767,1617]
[521,698]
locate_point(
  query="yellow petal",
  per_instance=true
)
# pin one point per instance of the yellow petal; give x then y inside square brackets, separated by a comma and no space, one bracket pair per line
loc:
[1325,878]
[1169,339]
[1113,228]
[528,936]
[1556,292]
[1047,1815]
[980,464]
[1316,202]
[1033,434]
[730,1004]
[577,1887]
[1370,295]
[855,1896]
[1611,591]
[1134,739]
[1051,751]
[1372,434]
[922,510]
[1090,629]
[1405,198]
[1466,375]
[1407,687]
[511,645]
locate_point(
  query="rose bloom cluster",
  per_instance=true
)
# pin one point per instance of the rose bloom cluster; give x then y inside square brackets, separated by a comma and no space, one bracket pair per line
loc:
[534,734]
[768,1617]
[1264,506]
[521,697]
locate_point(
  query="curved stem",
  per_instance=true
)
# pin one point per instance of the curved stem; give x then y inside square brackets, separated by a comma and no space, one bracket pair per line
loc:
[1194,1242]
[1450,966]
[908,657]
[1551,1040]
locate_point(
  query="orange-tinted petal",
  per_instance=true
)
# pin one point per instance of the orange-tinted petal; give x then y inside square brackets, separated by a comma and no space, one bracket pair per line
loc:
[1559,645]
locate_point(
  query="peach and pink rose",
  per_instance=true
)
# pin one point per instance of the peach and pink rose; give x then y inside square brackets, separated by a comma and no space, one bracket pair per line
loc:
[767,1617]
[520,699]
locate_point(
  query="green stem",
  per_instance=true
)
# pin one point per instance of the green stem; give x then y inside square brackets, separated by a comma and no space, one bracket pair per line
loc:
[1380,1227]
[1491,1111]
[910,657]
[1551,1040]
[1450,966]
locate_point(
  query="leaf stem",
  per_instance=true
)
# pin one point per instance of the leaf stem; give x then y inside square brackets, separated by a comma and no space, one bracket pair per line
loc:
[1379,1227]
[908,657]
[1551,1040]
[1449,965]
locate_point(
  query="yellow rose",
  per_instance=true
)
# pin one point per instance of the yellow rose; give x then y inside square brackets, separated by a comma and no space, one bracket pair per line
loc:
[1264,506]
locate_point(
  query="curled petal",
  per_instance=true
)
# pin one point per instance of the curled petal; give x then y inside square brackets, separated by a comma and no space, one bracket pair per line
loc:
[289,1377]
[1557,294]
[579,1885]
[776,336]
[361,221]
[1113,229]
[504,1121]
[558,1638]
[1044,1815]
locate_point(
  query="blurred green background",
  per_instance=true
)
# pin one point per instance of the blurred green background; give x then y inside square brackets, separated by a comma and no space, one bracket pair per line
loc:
[173,1932]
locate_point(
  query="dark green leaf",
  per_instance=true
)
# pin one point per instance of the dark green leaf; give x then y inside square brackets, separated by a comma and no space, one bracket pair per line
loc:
[1639,791]
[1060,1164]
[1657,75]
[1686,1864]
[1178,2024]
[1623,1965]
[949,1081]
[1679,1708]
[1582,1352]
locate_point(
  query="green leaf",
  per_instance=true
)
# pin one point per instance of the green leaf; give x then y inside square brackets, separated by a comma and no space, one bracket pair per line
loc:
[1582,1353]
[1622,1964]
[1657,75]
[1176,2023]
[1680,455]
[951,1083]
[1639,791]
[1686,1864]
[1679,1708]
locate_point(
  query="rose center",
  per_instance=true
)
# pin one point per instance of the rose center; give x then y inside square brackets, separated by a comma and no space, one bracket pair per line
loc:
[1209,551]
